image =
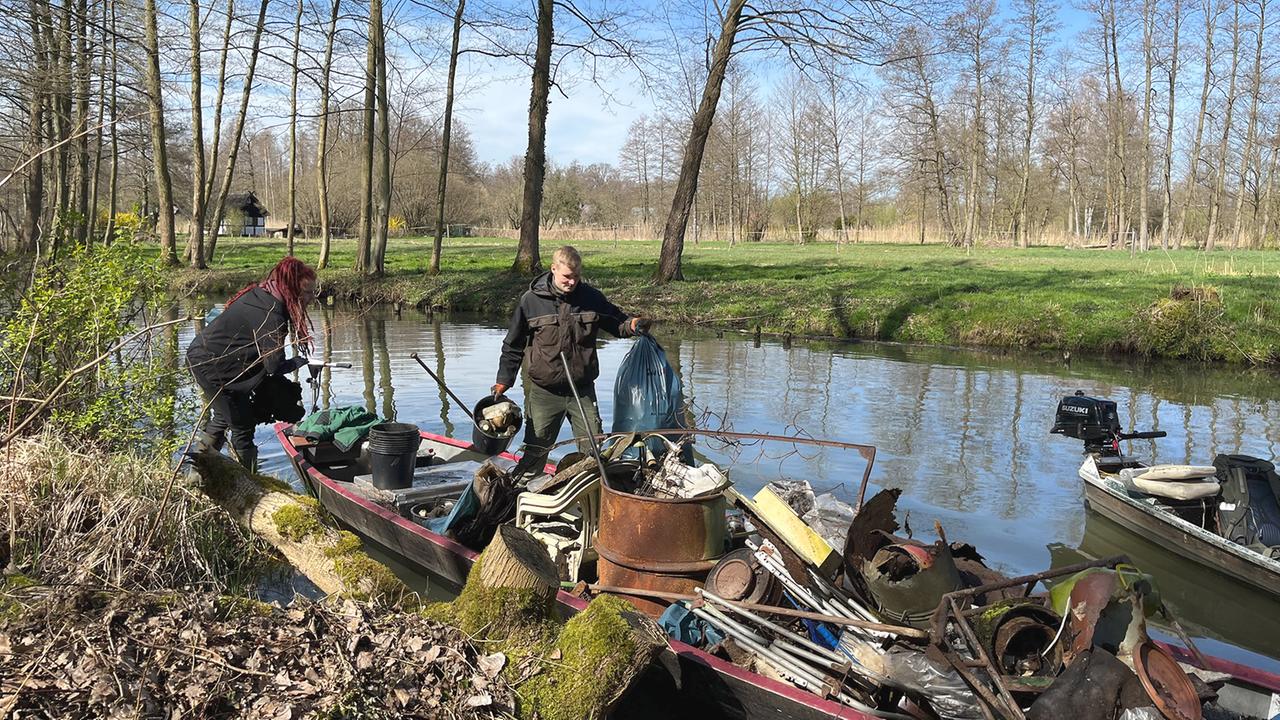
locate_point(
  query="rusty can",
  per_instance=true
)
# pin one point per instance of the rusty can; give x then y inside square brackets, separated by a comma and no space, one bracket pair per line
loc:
[660,544]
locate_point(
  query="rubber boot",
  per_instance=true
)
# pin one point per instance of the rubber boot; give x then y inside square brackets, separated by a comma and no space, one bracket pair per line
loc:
[248,457]
[204,442]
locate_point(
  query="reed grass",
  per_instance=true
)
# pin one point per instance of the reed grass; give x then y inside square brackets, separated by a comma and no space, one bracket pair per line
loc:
[85,517]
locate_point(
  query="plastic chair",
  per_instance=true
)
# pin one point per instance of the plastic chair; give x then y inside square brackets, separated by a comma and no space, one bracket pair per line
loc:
[582,494]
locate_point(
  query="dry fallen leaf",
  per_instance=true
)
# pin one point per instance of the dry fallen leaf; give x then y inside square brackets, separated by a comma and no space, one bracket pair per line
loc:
[492,664]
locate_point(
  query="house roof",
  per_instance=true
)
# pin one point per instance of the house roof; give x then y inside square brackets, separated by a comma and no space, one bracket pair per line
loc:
[246,203]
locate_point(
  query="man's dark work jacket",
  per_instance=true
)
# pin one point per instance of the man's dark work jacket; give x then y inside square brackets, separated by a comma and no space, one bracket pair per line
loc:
[546,323]
[242,345]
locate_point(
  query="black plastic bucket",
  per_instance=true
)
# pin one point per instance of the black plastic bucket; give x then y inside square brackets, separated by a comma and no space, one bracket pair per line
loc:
[393,453]
[481,441]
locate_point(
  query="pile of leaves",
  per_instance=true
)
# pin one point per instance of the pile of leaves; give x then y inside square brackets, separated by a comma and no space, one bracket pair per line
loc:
[94,653]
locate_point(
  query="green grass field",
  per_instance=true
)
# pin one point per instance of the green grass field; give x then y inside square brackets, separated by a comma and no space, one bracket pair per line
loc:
[1187,304]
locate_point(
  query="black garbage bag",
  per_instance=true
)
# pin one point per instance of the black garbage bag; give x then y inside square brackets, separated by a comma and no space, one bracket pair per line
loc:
[647,394]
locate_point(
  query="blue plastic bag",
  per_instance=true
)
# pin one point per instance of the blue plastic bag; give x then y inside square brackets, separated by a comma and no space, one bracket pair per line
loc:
[647,394]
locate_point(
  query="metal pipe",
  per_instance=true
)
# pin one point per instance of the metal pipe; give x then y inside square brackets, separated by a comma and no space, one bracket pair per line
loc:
[582,411]
[465,407]
[905,632]
[804,642]
[782,645]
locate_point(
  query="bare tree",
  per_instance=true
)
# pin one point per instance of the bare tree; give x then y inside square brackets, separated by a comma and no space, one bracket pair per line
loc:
[322,137]
[159,147]
[237,132]
[1211,10]
[1175,22]
[687,186]
[1035,21]
[195,243]
[535,158]
[446,134]
[1224,148]
[1247,152]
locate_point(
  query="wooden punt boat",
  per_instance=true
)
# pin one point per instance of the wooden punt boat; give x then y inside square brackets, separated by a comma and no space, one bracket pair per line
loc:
[684,682]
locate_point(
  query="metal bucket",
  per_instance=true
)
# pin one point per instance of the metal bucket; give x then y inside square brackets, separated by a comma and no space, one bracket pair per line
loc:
[656,543]
[481,441]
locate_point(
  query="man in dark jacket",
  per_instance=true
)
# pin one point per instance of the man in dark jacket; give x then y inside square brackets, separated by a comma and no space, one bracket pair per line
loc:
[559,313]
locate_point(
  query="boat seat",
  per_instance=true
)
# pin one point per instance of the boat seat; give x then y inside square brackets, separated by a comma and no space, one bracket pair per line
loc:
[1173,482]
[578,502]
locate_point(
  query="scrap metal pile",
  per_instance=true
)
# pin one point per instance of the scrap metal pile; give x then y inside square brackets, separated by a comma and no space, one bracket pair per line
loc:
[897,628]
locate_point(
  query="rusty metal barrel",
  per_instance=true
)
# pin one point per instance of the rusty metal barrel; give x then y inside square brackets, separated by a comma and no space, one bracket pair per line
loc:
[660,544]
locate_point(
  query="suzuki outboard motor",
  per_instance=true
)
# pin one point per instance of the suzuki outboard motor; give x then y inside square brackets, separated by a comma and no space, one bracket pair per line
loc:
[1096,422]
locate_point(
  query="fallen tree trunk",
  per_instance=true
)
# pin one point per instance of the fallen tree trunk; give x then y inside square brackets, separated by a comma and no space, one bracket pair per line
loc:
[295,526]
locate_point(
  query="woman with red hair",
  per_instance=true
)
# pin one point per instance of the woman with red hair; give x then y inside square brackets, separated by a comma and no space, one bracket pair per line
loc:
[238,358]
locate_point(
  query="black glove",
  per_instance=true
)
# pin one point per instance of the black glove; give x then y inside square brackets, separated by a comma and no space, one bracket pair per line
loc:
[498,389]
[642,325]
[293,363]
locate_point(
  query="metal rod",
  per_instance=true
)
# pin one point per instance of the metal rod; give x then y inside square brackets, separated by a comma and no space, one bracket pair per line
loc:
[465,407]
[906,632]
[582,411]
[803,642]
[981,652]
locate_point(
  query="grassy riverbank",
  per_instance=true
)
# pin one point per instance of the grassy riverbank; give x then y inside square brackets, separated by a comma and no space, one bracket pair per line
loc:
[1187,304]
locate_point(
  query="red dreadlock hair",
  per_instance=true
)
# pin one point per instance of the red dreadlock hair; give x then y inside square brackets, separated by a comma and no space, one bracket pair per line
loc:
[285,282]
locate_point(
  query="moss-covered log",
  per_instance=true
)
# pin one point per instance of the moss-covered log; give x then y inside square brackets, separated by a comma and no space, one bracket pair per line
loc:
[296,526]
[576,670]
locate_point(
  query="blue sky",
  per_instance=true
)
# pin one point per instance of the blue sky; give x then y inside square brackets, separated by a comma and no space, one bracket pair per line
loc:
[583,127]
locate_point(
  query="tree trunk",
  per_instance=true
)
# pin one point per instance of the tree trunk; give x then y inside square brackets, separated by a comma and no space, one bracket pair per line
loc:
[1144,174]
[516,560]
[1122,186]
[1260,232]
[528,260]
[113,180]
[1224,147]
[159,149]
[83,70]
[260,509]
[1250,136]
[234,150]
[442,184]
[1033,29]
[322,137]
[687,186]
[383,217]
[364,246]
[96,172]
[976,145]
[293,131]
[1210,25]
[1165,220]
[211,163]
[195,240]
[35,139]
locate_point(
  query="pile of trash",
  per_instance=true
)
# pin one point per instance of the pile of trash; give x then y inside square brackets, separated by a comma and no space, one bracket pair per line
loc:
[501,419]
[89,653]
[895,625]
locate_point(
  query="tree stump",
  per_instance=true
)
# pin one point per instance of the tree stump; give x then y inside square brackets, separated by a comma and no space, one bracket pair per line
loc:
[516,560]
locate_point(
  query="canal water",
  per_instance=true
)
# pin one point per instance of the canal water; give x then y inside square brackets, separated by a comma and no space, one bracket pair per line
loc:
[963,433]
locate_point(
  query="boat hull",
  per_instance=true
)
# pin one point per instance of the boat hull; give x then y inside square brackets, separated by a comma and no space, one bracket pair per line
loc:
[1183,541]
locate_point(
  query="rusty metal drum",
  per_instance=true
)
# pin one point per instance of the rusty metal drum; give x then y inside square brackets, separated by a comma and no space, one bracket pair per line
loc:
[658,543]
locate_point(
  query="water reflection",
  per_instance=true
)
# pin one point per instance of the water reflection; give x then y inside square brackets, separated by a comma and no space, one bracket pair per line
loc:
[964,433]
